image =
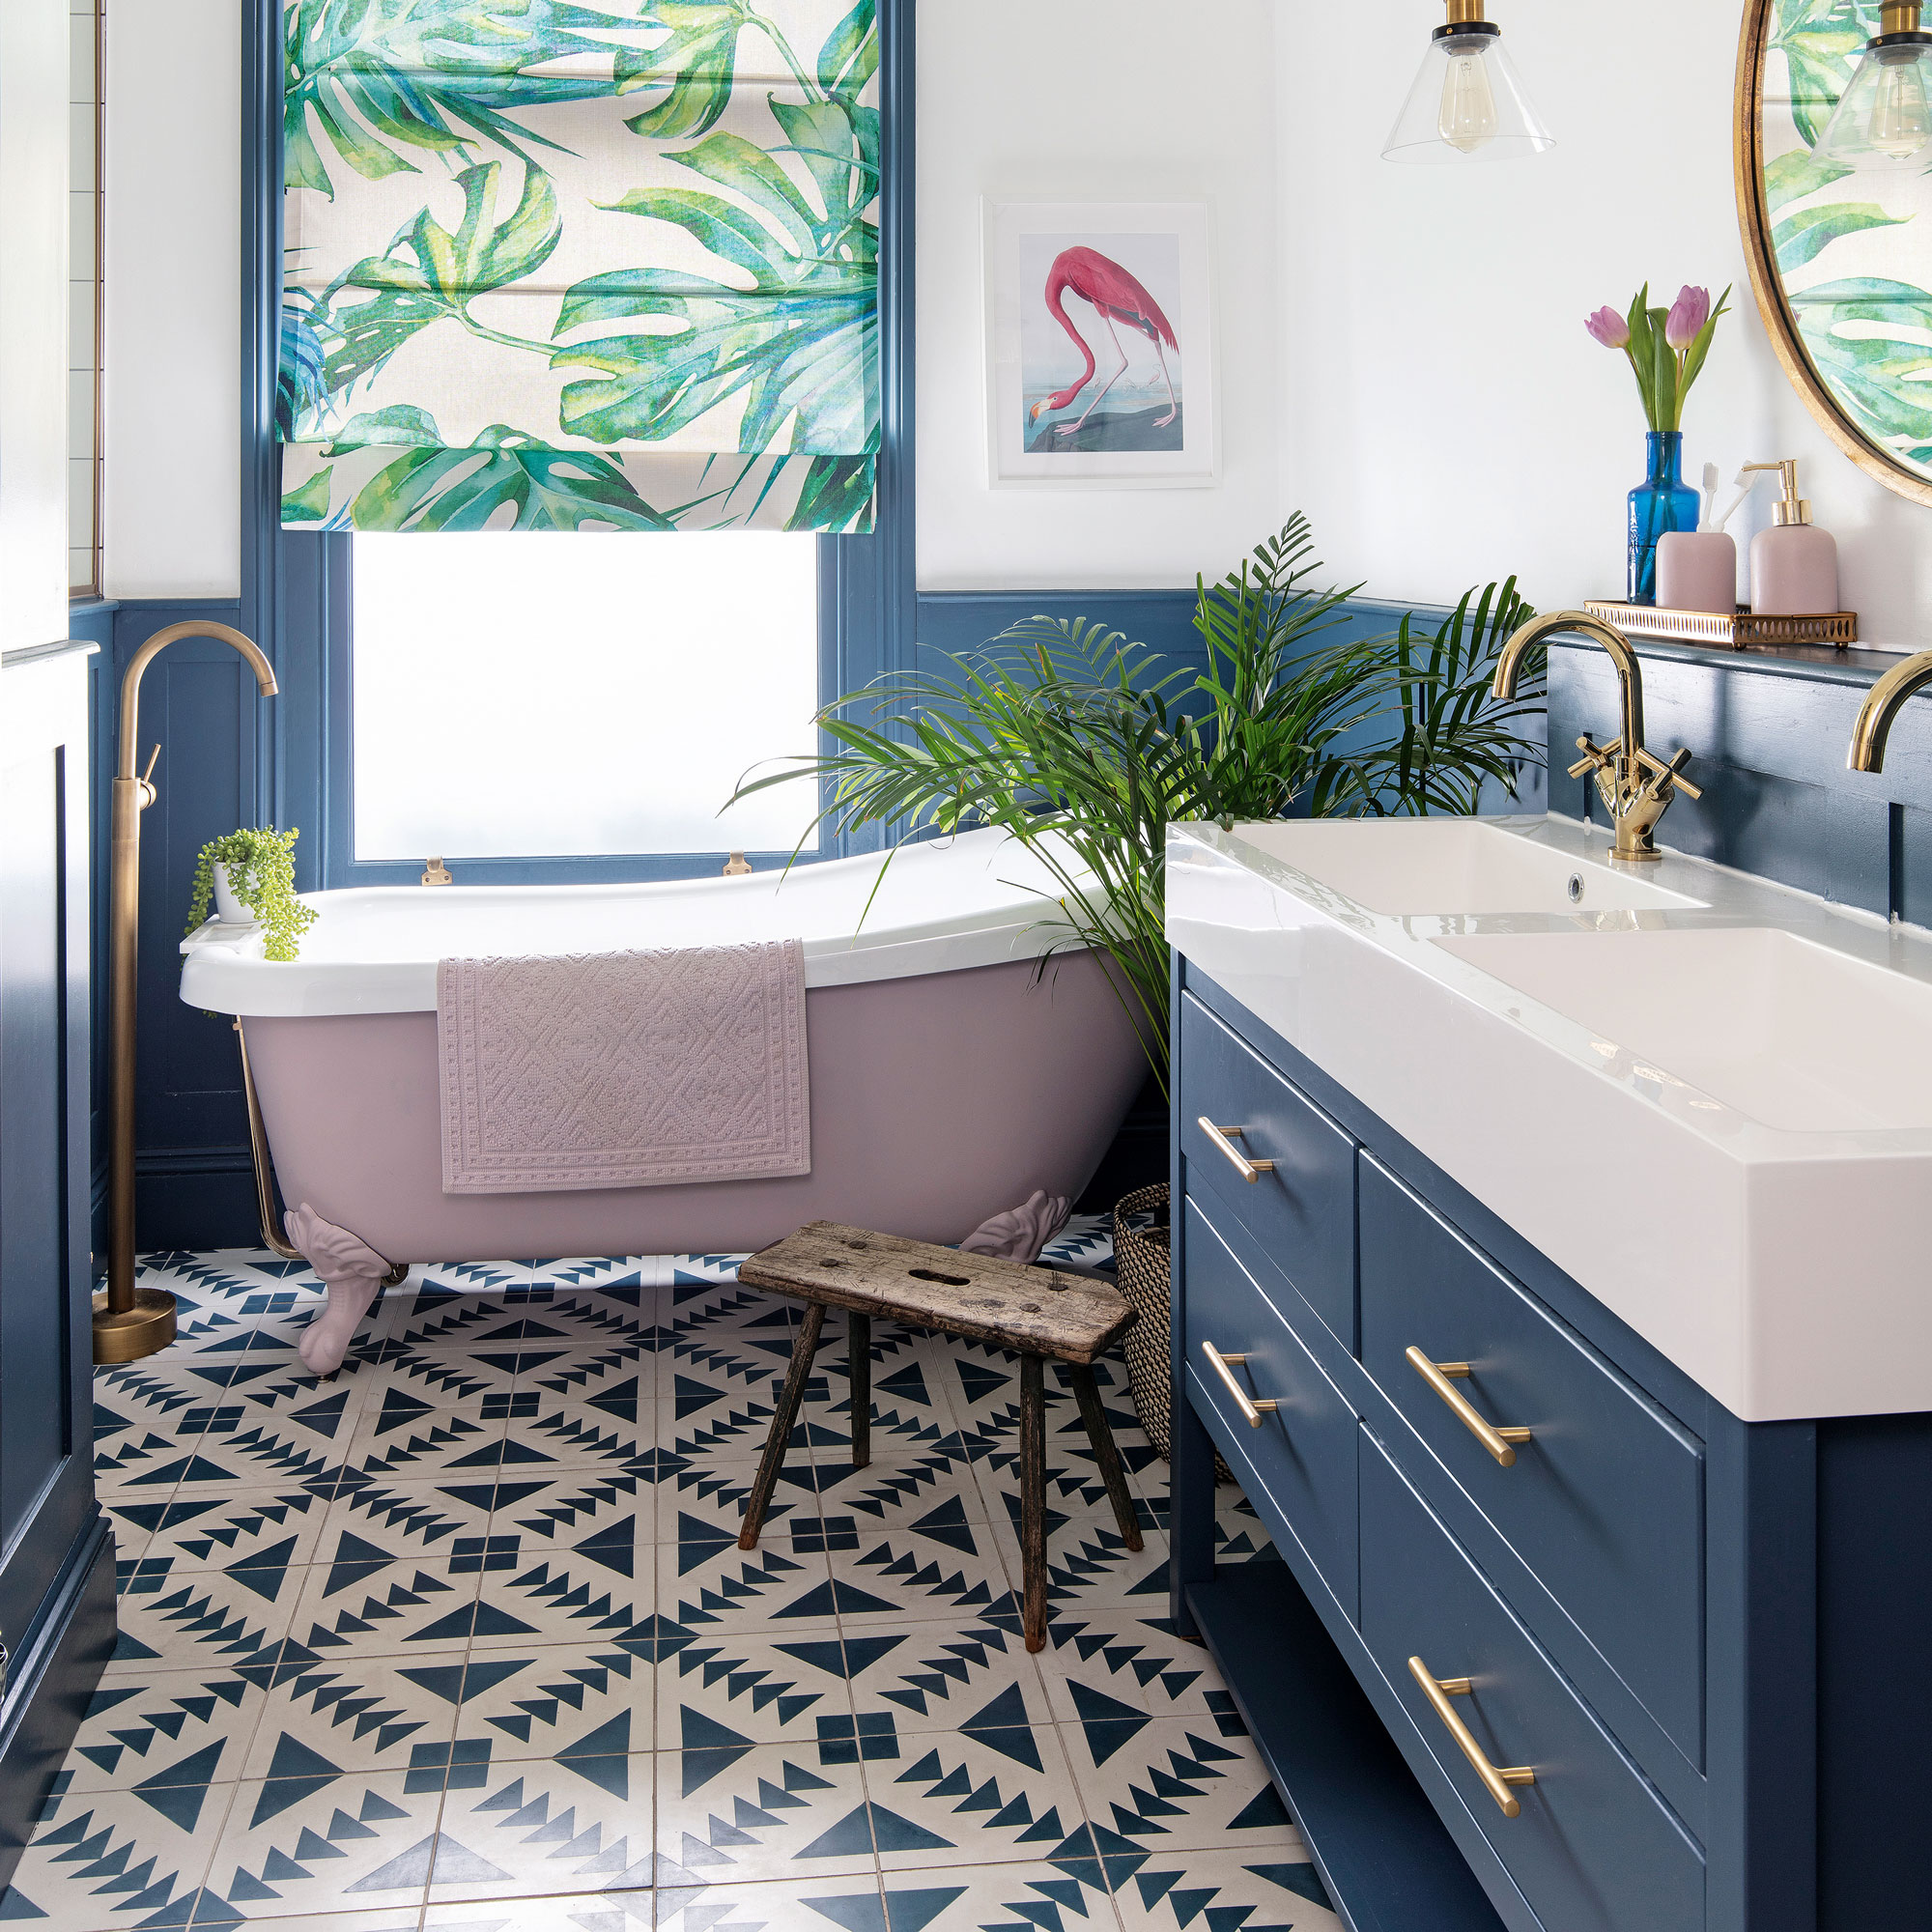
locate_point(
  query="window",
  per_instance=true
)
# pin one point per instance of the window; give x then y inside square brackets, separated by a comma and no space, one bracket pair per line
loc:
[540,710]
[523,697]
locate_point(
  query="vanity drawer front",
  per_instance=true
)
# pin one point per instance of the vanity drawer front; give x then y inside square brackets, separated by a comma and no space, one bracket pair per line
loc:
[1604,1503]
[1592,1850]
[1303,1212]
[1304,1449]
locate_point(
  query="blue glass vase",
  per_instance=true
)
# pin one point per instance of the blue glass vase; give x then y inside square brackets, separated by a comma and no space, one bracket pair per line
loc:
[1666,502]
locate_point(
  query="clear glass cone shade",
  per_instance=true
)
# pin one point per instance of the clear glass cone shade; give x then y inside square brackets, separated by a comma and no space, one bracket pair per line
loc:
[1467,104]
[1885,120]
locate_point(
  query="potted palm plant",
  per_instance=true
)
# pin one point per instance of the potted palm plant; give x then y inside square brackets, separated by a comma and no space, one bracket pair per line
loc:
[1080,746]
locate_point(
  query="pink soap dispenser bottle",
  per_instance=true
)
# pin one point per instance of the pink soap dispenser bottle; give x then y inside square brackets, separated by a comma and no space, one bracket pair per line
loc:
[1793,564]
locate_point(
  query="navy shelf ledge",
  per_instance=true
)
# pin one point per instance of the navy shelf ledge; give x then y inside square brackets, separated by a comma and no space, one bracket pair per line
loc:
[1383,1851]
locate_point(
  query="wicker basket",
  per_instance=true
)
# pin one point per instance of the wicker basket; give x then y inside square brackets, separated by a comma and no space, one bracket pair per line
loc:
[1141,1262]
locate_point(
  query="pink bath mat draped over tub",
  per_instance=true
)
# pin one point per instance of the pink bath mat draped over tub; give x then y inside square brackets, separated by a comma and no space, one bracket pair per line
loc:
[623,1069]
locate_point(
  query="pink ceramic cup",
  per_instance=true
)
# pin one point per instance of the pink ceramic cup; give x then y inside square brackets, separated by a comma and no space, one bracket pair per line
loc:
[1697,571]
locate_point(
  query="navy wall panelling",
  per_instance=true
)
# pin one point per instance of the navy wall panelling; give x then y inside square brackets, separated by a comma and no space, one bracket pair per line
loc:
[56,1566]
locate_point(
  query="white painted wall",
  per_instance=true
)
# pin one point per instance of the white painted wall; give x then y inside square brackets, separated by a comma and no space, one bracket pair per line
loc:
[33,322]
[1103,100]
[1446,419]
[171,517]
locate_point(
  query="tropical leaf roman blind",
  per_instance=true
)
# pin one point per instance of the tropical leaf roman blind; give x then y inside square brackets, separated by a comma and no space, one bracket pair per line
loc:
[580,264]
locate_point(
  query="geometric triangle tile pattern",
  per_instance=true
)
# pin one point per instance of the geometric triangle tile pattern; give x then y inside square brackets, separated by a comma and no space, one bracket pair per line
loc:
[463,1640]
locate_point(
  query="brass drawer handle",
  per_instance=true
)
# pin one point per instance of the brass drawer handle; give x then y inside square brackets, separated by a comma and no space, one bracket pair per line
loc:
[1222,1365]
[1438,1691]
[1439,1376]
[1224,1138]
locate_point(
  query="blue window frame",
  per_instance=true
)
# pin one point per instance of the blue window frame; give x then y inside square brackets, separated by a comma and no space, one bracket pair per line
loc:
[866,585]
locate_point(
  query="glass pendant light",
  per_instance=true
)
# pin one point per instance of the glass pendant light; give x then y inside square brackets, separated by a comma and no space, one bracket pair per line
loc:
[1467,104]
[1885,120]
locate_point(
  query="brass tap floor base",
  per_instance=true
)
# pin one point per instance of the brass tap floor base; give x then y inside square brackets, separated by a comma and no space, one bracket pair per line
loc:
[145,1329]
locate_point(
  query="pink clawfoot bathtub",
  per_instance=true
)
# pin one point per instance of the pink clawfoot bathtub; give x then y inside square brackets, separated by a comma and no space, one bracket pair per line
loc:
[952,1074]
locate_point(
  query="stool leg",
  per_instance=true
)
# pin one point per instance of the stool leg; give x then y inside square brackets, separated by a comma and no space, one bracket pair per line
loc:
[1032,1500]
[1106,1452]
[782,1425]
[859,1345]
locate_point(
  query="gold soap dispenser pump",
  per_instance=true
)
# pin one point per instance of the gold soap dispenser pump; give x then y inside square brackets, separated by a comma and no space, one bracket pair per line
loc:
[1793,564]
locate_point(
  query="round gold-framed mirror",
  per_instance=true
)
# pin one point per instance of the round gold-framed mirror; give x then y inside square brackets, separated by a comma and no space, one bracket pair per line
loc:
[1834,200]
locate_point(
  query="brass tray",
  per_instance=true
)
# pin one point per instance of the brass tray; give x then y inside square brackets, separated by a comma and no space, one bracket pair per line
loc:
[1737,632]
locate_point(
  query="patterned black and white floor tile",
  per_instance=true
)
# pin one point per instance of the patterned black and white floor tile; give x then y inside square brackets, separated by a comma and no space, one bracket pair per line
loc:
[463,1640]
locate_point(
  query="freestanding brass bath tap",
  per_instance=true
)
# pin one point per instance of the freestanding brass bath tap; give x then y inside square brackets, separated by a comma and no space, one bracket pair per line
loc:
[129,1323]
[1636,787]
[1882,703]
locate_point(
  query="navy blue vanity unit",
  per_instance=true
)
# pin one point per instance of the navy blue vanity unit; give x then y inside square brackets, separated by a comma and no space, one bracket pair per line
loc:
[1708,1643]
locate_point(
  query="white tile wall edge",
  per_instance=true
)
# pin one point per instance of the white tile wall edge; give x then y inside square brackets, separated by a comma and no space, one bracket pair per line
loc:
[172,498]
[33,321]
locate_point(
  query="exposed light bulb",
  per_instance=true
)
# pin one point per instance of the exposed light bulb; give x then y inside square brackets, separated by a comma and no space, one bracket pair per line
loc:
[1901,121]
[1468,120]
[1467,104]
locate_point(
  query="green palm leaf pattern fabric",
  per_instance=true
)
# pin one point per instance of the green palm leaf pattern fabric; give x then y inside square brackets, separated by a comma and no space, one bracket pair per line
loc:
[1853,246]
[580,264]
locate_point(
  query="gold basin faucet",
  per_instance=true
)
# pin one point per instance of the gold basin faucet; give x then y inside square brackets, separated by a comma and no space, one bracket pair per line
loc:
[129,1323]
[1636,787]
[1882,703]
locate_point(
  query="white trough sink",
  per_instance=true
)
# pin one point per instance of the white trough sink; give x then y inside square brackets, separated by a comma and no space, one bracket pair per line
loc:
[1452,867]
[1786,1032]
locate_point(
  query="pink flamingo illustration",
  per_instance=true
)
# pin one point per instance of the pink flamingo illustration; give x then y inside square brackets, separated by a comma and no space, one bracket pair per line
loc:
[1117,296]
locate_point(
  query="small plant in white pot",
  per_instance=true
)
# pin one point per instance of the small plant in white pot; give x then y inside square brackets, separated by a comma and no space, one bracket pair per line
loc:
[250,877]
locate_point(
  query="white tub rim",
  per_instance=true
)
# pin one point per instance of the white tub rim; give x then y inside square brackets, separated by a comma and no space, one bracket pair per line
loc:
[223,969]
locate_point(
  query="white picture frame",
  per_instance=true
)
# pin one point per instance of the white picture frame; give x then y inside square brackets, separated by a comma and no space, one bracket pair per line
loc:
[1079,392]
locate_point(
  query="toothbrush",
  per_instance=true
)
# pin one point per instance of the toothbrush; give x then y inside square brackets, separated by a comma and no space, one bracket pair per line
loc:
[1746,483]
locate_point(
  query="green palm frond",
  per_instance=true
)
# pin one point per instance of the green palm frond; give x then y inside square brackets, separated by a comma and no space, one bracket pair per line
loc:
[384,80]
[432,274]
[428,487]
[1867,337]
[798,346]
[699,60]
[1446,738]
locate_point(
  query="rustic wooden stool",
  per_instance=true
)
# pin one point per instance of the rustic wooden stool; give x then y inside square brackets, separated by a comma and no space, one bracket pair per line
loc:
[1040,1314]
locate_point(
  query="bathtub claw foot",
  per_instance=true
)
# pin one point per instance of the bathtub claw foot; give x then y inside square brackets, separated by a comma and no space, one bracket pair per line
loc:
[354,1275]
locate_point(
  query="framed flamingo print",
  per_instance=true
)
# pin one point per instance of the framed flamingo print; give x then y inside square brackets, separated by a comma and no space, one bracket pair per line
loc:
[1100,344]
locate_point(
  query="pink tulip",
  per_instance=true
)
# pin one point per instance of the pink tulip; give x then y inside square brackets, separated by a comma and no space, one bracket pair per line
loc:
[1609,329]
[1687,317]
